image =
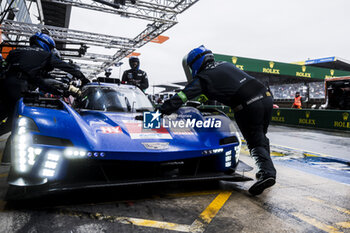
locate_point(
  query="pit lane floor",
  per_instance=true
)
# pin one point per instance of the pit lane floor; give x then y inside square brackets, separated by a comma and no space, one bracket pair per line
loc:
[304,199]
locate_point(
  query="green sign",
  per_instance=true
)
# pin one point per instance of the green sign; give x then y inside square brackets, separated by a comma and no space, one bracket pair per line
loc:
[319,119]
[280,68]
[323,119]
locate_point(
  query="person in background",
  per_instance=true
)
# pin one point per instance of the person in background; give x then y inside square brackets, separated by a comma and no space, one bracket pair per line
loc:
[248,97]
[297,100]
[135,76]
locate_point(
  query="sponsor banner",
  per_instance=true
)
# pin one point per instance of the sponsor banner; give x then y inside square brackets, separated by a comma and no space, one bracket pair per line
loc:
[323,119]
[280,68]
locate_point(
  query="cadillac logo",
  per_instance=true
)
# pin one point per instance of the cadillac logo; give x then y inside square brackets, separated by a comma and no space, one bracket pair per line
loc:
[156,145]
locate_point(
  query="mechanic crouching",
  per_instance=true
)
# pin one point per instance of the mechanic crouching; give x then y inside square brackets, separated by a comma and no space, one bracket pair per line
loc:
[27,69]
[247,96]
[135,76]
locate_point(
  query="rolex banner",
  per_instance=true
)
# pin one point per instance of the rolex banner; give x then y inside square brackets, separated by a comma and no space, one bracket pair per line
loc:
[323,119]
[279,68]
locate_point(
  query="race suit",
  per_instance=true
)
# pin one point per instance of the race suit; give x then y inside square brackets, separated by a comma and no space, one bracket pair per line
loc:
[247,96]
[26,69]
[136,77]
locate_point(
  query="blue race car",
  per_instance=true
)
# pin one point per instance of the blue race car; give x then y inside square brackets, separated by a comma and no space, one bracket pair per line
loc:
[107,138]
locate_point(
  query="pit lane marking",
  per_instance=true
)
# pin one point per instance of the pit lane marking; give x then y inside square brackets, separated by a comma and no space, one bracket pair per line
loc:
[345,225]
[191,194]
[198,226]
[340,209]
[3,175]
[316,223]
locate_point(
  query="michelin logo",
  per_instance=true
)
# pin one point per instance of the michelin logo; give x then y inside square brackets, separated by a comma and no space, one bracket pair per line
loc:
[151,120]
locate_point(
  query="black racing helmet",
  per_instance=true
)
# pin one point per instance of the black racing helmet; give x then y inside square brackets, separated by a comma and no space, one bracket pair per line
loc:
[134,63]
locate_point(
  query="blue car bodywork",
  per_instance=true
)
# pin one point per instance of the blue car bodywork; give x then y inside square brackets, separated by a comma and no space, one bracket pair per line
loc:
[101,141]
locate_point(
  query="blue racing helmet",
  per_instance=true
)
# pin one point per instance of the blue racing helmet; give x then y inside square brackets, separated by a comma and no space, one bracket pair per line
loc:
[197,57]
[43,40]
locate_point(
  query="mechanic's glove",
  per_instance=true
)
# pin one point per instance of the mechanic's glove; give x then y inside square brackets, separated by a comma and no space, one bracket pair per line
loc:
[166,108]
[84,81]
[74,91]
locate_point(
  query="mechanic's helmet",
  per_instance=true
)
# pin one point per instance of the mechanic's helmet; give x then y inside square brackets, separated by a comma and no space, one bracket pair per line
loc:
[297,94]
[198,57]
[134,63]
[43,40]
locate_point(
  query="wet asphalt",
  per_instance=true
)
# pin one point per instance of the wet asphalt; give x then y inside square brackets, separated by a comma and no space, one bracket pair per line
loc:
[312,194]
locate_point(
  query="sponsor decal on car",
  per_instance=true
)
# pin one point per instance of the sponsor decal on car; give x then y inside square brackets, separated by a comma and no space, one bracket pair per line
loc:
[111,129]
[136,131]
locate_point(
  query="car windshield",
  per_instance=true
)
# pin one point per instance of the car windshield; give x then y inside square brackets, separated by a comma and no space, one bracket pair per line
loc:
[114,99]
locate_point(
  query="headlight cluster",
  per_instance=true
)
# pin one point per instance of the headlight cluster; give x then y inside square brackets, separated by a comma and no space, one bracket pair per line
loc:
[75,153]
[213,151]
[228,158]
[25,155]
[238,150]
[50,164]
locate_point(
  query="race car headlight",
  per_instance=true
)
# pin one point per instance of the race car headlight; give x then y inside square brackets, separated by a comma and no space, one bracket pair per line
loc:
[50,164]
[75,153]
[228,158]
[25,125]
[213,151]
[237,150]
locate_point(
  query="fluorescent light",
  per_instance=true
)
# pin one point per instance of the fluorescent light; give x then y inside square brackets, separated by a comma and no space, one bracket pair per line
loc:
[227,164]
[228,152]
[227,158]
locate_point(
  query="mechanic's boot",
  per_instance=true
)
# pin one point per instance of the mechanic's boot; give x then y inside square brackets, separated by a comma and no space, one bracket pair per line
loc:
[266,176]
[262,184]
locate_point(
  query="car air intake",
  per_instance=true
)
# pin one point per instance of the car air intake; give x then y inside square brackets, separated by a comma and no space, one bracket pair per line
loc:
[228,140]
[46,140]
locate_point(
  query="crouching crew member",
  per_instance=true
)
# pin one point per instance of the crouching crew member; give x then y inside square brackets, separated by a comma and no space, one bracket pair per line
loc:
[26,70]
[247,96]
[135,76]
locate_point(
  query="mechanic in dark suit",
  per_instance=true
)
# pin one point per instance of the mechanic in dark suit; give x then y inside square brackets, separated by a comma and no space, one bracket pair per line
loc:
[27,68]
[135,76]
[247,96]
